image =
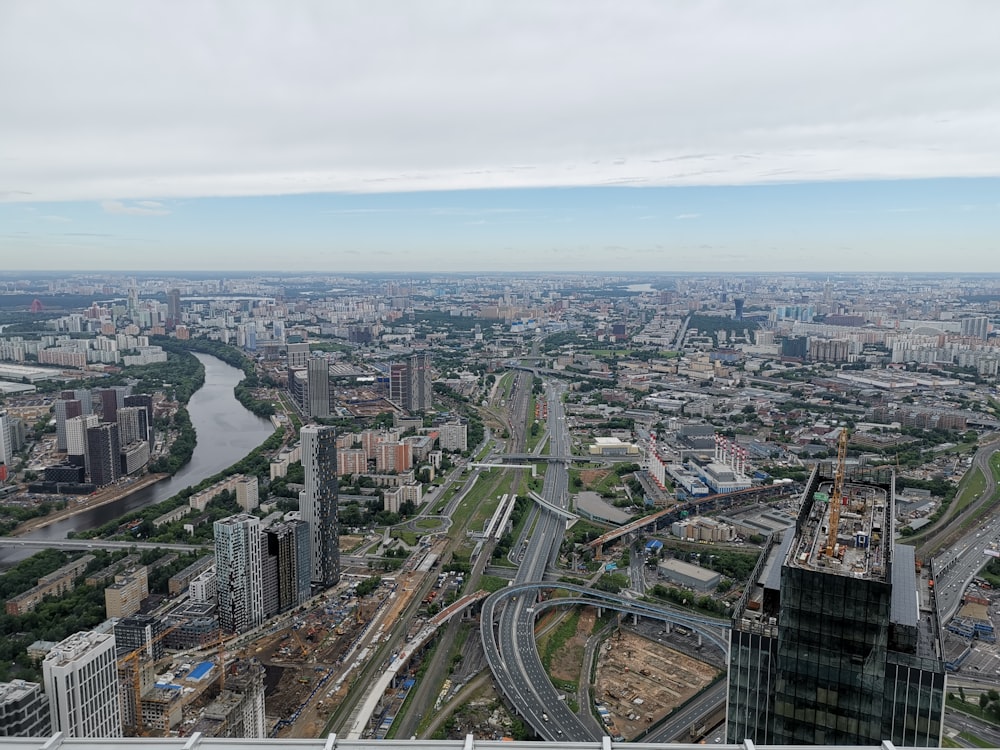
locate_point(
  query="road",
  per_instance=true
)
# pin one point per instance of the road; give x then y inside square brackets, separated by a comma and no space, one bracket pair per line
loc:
[84,544]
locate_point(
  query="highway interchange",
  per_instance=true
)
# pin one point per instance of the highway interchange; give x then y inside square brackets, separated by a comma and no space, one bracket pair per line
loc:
[508,618]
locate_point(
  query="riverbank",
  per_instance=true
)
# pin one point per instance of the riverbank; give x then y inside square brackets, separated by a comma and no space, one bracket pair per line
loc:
[87,502]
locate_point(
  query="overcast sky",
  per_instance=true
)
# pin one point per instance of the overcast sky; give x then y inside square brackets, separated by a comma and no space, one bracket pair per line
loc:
[164,131]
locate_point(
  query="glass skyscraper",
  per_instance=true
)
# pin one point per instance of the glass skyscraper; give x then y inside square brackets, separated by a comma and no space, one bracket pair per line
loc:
[832,647]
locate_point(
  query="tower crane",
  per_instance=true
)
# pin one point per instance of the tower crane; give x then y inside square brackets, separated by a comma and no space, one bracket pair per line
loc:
[836,497]
[134,657]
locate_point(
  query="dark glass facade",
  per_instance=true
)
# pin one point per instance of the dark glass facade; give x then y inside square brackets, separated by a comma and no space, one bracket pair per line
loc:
[829,657]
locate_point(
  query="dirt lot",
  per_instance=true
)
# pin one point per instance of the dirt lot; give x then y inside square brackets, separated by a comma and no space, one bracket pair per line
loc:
[590,477]
[641,681]
[567,661]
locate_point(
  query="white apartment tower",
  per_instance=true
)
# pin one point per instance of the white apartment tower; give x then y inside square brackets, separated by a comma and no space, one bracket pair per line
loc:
[239,572]
[81,680]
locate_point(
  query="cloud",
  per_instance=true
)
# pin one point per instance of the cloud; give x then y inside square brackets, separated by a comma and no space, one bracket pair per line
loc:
[140,208]
[499,95]
[681,217]
[54,219]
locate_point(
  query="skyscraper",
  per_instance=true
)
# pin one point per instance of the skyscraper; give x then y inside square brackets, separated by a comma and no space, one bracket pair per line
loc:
[318,502]
[145,401]
[76,439]
[103,454]
[399,384]
[132,426]
[837,649]
[421,384]
[173,308]
[239,572]
[410,383]
[319,386]
[81,680]
[288,544]
[65,409]
[6,439]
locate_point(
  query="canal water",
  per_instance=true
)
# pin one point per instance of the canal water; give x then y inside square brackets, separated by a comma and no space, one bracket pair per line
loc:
[225,431]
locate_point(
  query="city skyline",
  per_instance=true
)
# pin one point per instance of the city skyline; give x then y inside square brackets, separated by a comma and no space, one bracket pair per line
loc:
[441,137]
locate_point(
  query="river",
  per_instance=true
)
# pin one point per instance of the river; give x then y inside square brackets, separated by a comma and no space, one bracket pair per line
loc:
[225,431]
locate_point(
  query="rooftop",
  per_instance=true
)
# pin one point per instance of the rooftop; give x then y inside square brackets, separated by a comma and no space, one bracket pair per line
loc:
[862,528]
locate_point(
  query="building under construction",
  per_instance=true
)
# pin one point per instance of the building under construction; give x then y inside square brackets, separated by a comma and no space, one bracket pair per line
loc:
[830,646]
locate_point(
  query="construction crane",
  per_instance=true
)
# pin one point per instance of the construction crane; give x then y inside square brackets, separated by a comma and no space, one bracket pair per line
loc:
[836,497]
[134,656]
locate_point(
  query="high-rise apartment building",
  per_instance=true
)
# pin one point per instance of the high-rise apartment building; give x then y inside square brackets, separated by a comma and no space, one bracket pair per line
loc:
[6,439]
[24,710]
[139,631]
[319,386]
[83,395]
[173,308]
[112,399]
[410,383]
[76,438]
[318,502]
[239,572]
[421,383]
[978,326]
[81,680]
[288,545]
[103,454]
[399,384]
[132,425]
[65,409]
[146,402]
[838,648]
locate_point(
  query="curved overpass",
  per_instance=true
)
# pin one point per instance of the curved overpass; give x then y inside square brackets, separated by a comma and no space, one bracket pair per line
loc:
[513,656]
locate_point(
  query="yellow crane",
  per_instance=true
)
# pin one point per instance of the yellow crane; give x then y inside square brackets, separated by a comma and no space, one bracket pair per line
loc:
[134,656]
[836,497]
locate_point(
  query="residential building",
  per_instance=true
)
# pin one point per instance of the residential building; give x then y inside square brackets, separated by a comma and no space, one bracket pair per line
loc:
[103,454]
[319,386]
[81,680]
[24,710]
[239,572]
[318,501]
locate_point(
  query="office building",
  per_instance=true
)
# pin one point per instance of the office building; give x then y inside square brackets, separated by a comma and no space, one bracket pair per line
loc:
[318,397]
[24,710]
[318,502]
[103,454]
[81,680]
[833,646]
[239,572]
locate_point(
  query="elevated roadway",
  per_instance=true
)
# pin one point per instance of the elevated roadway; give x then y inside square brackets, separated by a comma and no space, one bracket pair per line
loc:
[84,544]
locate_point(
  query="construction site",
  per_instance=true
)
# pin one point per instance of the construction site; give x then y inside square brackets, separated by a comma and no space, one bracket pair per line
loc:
[640,680]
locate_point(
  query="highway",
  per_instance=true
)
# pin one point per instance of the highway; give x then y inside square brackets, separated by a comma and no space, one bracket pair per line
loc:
[958,565]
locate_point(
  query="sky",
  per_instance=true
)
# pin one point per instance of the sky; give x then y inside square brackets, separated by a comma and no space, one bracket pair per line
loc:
[500,135]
